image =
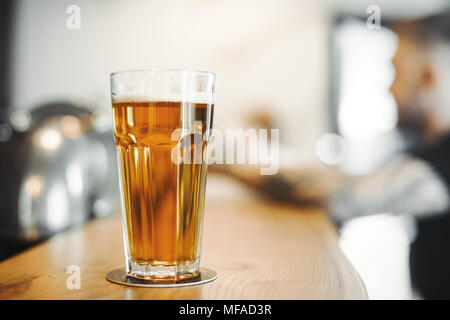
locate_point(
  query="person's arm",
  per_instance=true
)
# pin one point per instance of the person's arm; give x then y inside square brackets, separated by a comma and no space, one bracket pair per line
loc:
[407,185]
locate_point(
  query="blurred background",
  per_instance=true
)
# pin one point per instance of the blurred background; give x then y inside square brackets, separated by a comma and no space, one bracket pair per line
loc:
[349,93]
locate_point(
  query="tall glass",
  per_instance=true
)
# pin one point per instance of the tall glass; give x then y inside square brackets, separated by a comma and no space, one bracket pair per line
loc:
[162,120]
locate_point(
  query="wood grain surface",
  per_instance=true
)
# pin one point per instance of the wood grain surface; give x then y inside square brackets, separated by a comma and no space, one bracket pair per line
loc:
[260,250]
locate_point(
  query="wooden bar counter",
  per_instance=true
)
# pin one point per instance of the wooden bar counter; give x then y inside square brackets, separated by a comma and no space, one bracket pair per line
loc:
[260,250]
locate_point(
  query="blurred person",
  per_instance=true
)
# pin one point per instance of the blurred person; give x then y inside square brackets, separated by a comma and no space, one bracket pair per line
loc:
[422,63]
[416,182]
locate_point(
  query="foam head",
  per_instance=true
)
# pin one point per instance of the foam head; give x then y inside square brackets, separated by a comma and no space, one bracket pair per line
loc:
[163,85]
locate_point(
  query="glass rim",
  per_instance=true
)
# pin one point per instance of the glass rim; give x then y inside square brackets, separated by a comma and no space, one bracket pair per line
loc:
[120,72]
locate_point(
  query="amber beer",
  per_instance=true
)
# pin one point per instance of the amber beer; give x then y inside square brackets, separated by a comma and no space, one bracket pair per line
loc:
[163,199]
[161,141]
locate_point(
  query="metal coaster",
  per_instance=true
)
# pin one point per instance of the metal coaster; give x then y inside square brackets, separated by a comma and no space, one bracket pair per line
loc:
[120,276]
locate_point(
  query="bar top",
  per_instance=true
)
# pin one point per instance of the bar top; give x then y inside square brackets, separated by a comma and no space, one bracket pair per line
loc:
[260,250]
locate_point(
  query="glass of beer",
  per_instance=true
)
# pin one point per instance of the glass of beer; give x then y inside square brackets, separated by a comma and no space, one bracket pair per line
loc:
[162,121]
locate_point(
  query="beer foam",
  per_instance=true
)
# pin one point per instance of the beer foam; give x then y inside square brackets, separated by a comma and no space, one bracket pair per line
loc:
[195,97]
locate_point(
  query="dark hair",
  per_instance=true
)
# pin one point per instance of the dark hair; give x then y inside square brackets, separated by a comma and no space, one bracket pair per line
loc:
[435,26]
[426,29]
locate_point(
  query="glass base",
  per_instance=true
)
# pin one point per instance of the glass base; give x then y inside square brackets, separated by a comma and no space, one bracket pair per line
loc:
[161,271]
[120,276]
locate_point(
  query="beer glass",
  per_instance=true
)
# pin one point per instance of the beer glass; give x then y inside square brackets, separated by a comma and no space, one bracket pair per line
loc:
[162,120]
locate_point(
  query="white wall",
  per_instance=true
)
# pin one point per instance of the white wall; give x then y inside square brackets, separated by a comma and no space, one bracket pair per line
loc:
[266,54]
